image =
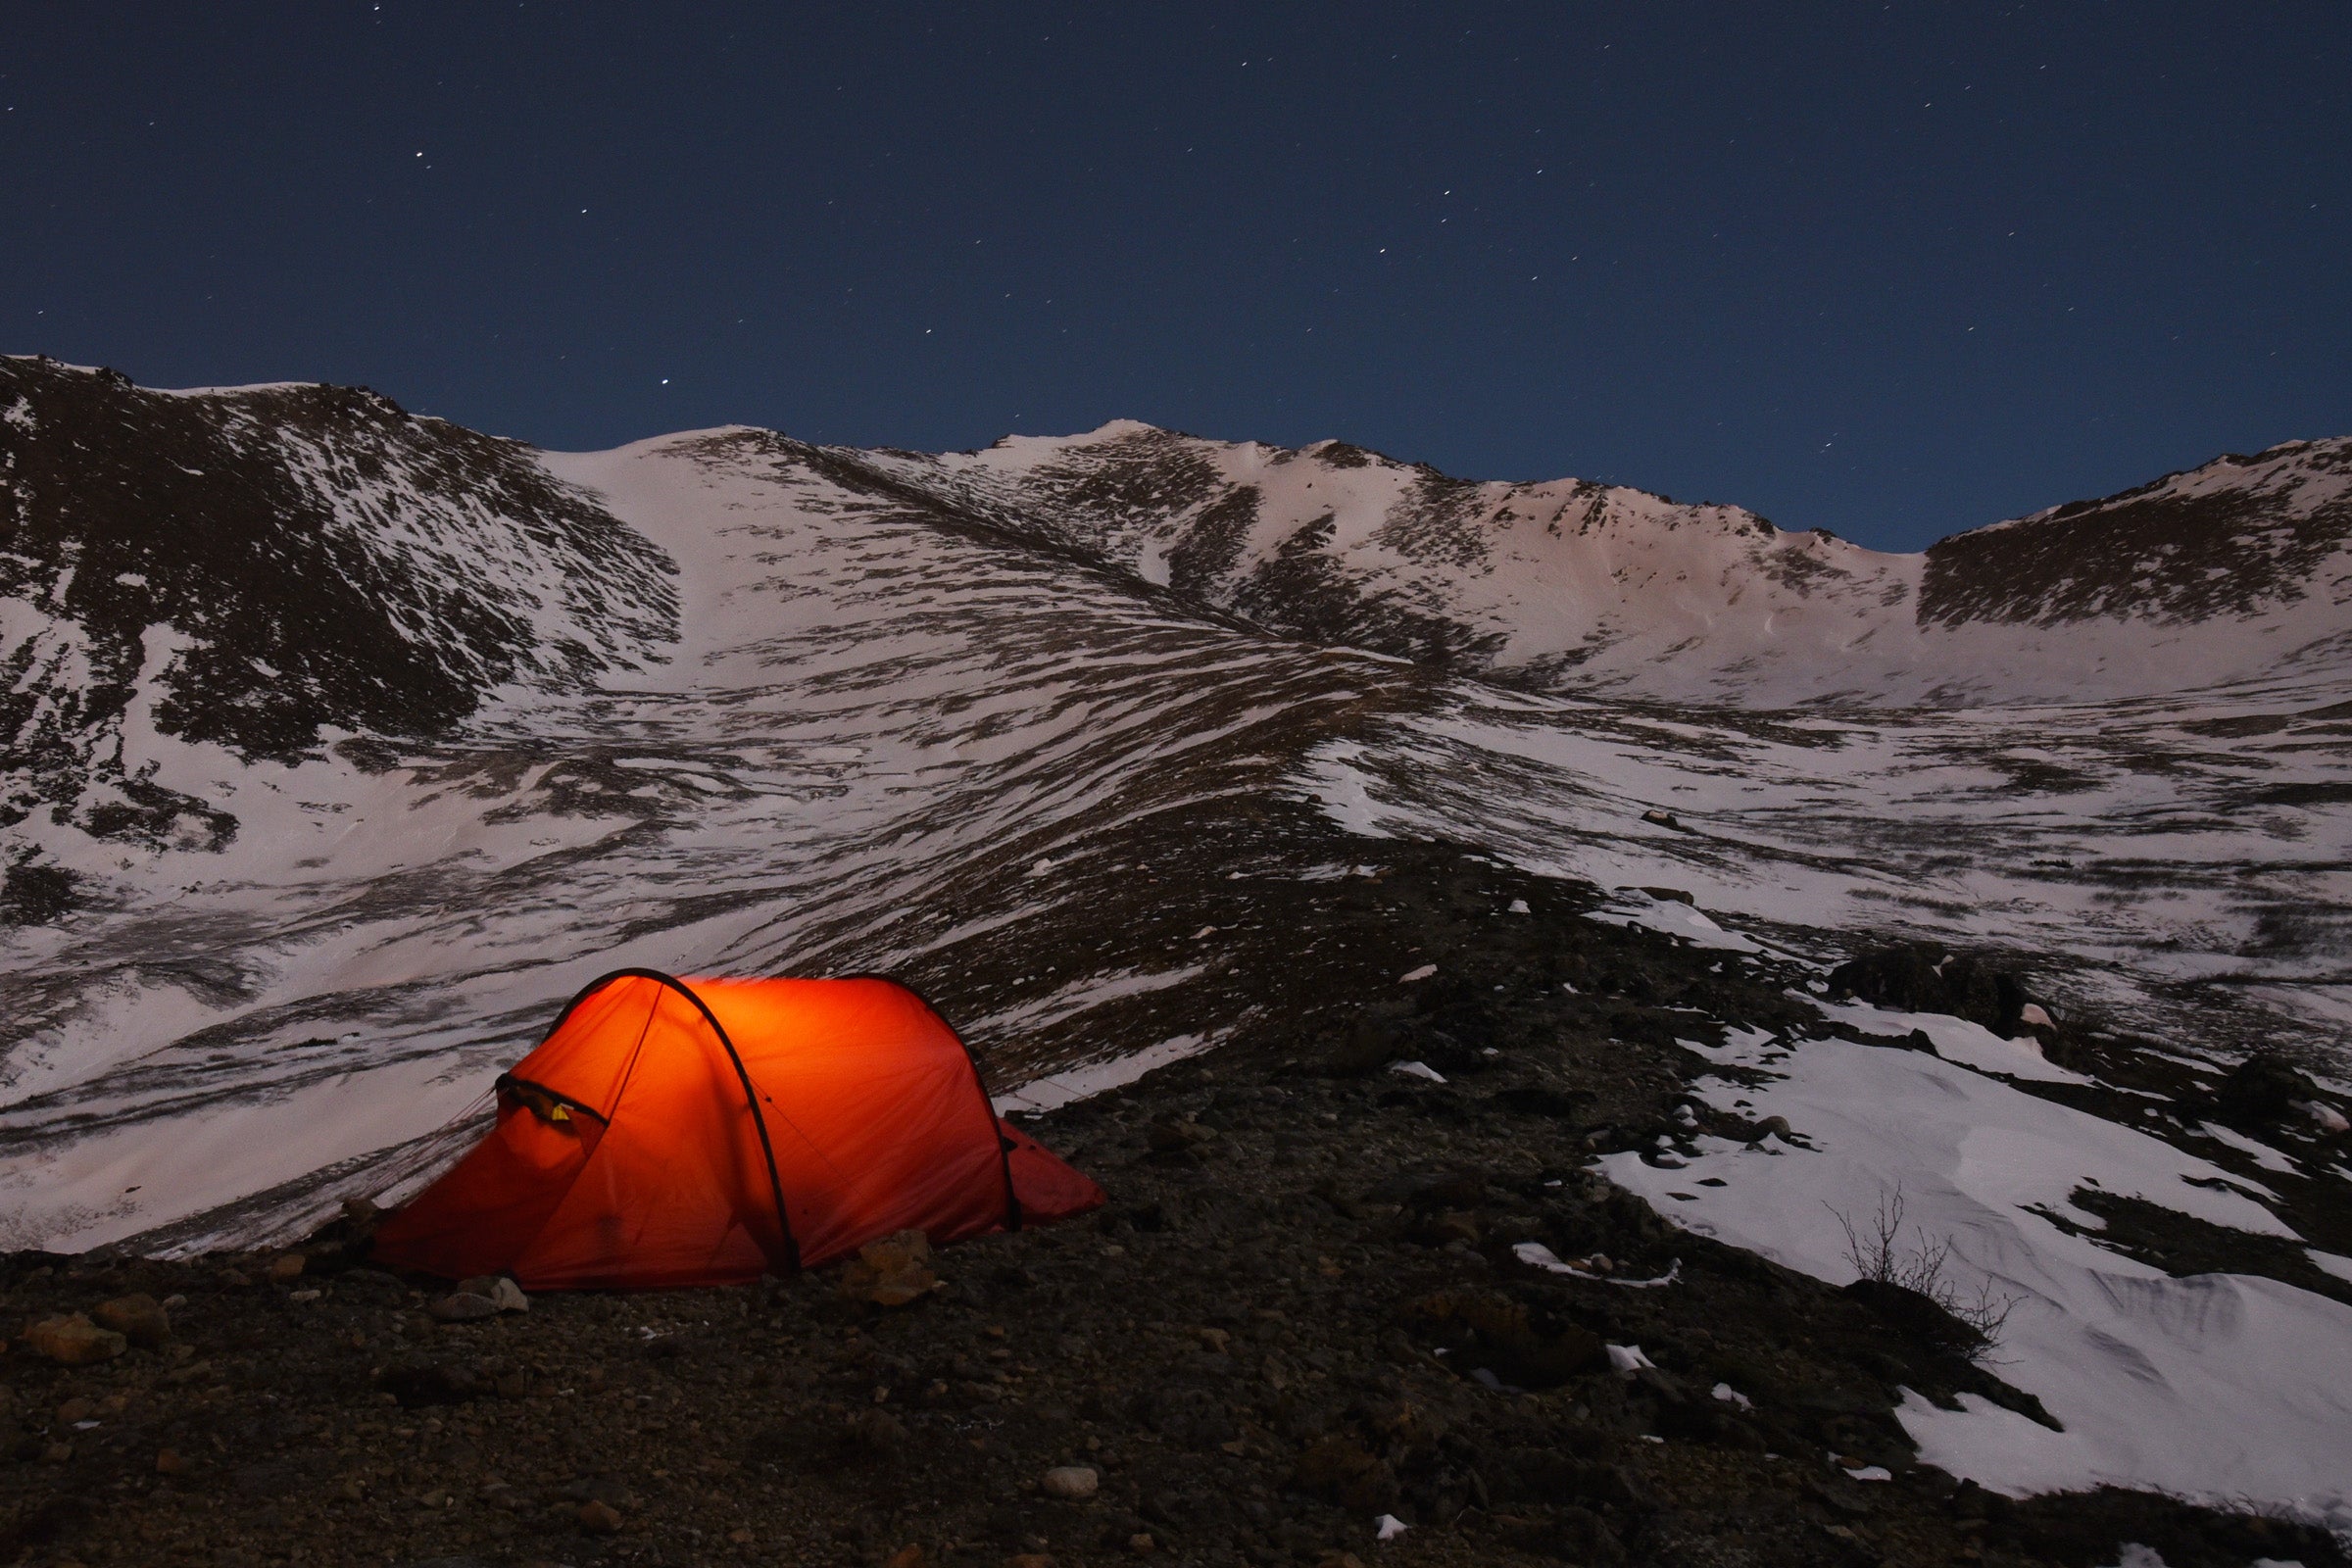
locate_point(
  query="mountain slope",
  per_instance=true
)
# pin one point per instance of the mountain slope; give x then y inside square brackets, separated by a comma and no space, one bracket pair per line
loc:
[252,568]
[1570,585]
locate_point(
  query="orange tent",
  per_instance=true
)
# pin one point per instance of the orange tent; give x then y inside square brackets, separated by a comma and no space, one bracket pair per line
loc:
[674,1133]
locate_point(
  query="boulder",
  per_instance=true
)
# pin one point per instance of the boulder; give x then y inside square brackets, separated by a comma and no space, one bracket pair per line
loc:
[2264,1091]
[1922,977]
[75,1340]
[137,1318]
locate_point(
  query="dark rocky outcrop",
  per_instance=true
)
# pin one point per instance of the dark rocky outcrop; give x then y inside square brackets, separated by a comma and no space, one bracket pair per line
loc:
[1924,977]
[2264,1091]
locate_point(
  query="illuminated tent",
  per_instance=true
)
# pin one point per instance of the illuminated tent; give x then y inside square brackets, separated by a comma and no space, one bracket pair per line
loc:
[676,1133]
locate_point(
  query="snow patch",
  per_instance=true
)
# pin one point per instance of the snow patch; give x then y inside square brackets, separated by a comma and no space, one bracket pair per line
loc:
[2200,1385]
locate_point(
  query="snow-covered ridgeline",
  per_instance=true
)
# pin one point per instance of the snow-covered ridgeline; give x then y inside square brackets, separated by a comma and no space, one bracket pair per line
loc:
[2217,576]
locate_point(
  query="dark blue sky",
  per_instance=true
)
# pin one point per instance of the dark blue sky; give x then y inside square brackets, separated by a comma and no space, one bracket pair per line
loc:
[1894,270]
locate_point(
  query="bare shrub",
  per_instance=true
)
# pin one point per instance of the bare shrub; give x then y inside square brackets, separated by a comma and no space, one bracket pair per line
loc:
[1878,1250]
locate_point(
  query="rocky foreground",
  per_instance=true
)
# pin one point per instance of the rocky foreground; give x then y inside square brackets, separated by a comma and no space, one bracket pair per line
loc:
[1307,1328]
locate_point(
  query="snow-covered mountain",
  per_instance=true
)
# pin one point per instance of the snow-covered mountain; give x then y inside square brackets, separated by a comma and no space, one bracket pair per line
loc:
[264,568]
[2239,568]
[341,745]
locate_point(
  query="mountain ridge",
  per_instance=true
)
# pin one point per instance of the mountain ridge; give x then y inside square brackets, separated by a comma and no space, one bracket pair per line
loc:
[1607,589]
[251,567]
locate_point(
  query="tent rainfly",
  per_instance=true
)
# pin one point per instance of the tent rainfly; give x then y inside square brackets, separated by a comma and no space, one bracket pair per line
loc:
[677,1132]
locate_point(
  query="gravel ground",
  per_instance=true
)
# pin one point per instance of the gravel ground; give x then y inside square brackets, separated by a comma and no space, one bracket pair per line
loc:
[1301,1314]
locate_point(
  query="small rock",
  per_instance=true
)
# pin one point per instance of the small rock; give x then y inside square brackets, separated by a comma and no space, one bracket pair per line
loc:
[73,1341]
[2260,1091]
[234,1279]
[892,1271]
[910,1556]
[304,1295]
[599,1518]
[462,1307]
[875,1430]
[1074,1482]
[360,1217]
[1029,1560]
[1587,1538]
[2332,1120]
[1169,1136]
[507,1296]
[167,1462]
[57,1454]
[412,1383]
[1345,1473]
[137,1318]
[73,1411]
[286,1266]
[1369,1044]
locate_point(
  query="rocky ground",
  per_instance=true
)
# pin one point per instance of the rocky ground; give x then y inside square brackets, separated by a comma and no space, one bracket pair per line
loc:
[1304,1312]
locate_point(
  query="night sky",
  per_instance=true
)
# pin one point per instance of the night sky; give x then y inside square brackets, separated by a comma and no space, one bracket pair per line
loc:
[1891,270]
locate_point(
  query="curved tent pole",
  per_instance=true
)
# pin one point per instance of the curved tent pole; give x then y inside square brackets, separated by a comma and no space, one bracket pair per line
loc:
[751,1094]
